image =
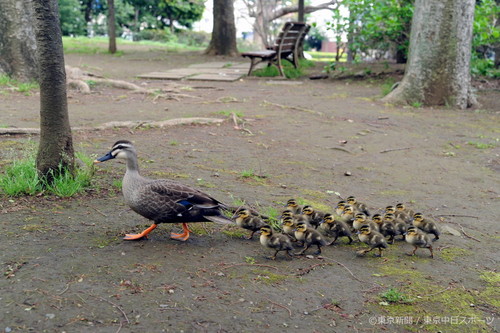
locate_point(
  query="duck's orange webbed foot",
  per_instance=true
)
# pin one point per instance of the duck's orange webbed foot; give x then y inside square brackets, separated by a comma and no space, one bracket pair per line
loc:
[181,237]
[143,234]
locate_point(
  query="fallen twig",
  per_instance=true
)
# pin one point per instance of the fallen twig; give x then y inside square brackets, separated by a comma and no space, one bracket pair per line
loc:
[395,149]
[281,306]
[466,235]
[347,269]
[259,265]
[458,215]
[439,292]
[109,302]
[304,271]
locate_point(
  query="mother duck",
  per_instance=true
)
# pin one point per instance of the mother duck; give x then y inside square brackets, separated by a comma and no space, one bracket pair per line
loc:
[162,200]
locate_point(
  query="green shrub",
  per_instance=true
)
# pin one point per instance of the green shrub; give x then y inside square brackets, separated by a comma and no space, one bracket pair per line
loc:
[157,35]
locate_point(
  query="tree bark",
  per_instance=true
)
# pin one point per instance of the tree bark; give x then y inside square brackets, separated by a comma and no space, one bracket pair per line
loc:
[55,152]
[223,40]
[17,41]
[438,69]
[111,27]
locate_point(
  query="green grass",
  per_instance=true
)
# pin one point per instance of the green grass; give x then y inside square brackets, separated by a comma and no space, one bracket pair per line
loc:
[21,178]
[99,45]
[480,145]
[325,56]
[394,296]
[290,71]
[387,86]
[22,87]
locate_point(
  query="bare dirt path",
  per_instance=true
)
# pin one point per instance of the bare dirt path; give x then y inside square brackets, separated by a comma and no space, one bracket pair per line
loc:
[66,268]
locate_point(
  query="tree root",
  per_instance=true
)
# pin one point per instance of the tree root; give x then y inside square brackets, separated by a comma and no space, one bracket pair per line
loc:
[121,124]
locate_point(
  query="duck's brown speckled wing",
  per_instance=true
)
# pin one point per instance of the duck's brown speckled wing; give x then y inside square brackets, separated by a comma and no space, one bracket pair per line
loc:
[166,201]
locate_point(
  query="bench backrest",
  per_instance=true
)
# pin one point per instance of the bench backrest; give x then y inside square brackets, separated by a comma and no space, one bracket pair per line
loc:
[291,38]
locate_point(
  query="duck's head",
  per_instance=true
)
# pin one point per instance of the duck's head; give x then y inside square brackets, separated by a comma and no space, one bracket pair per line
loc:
[418,217]
[307,210]
[389,217]
[400,207]
[266,231]
[328,218]
[341,204]
[351,200]
[287,213]
[360,217]
[120,149]
[242,213]
[377,218]
[411,231]
[390,209]
[291,203]
[301,226]
[364,230]
[288,221]
[348,210]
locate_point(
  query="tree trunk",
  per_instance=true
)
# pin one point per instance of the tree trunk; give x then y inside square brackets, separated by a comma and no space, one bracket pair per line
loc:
[55,152]
[223,40]
[17,41]
[496,47]
[438,69]
[111,27]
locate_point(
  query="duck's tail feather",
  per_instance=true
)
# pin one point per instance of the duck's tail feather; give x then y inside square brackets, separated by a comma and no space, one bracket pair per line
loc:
[218,219]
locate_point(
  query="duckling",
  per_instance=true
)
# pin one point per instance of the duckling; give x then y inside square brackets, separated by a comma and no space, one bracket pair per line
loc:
[347,215]
[295,217]
[293,205]
[334,228]
[408,211]
[372,238]
[288,226]
[358,206]
[426,224]
[360,220]
[314,217]
[162,200]
[245,220]
[275,241]
[385,227]
[401,213]
[418,239]
[339,209]
[310,237]
[399,225]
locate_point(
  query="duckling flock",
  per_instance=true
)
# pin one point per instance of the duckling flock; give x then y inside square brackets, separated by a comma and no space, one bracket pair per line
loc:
[305,227]
[168,201]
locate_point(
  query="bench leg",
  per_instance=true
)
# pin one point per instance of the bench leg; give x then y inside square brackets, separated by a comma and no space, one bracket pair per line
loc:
[252,64]
[280,68]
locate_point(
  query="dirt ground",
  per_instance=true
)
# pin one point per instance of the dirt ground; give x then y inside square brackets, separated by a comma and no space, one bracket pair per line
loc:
[67,269]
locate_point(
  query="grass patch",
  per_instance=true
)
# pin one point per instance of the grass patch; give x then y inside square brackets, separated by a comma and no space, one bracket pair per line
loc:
[480,145]
[387,86]
[20,177]
[290,71]
[450,253]
[268,277]
[393,295]
[23,87]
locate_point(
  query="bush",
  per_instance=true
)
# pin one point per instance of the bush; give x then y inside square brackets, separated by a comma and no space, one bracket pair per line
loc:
[193,38]
[157,35]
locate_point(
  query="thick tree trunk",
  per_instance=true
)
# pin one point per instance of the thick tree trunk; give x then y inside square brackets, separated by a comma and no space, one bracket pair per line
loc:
[496,47]
[17,40]
[223,40]
[438,69]
[111,27]
[56,143]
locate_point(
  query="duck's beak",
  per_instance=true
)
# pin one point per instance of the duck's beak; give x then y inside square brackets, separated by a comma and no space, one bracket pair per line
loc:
[106,157]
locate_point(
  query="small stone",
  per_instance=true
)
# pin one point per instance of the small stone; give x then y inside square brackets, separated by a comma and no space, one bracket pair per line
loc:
[50,315]
[8,330]
[347,173]
[309,256]
[171,291]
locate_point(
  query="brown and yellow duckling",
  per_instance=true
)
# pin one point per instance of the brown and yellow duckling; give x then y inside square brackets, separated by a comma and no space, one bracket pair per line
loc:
[372,238]
[426,224]
[418,238]
[244,219]
[399,225]
[312,216]
[403,213]
[276,241]
[334,228]
[288,226]
[339,209]
[294,206]
[310,237]
[385,227]
[347,215]
[358,206]
[360,219]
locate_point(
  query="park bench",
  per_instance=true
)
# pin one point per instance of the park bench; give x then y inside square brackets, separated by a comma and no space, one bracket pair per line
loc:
[288,45]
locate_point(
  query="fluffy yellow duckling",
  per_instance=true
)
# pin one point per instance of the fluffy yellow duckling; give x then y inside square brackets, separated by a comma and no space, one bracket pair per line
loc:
[339,209]
[399,225]
[312,216]
[372,238]
[288,226]
[402,214]
[402,208]
[358,206]
[294,206]
[360,219]
[244,219]
[385,227]
[418,239]
[275,241]
[426,224]
[310,237]
[334,228]
[347,215]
